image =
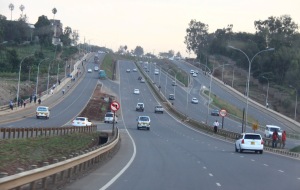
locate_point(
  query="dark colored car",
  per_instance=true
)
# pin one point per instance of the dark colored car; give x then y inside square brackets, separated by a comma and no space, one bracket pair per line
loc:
[215,113]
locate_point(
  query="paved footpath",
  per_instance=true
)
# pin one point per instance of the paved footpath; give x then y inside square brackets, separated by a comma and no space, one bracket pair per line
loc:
[49,100]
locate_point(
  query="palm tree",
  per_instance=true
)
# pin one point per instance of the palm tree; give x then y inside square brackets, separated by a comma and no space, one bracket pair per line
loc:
[54,11]
[22,7]
[11,7]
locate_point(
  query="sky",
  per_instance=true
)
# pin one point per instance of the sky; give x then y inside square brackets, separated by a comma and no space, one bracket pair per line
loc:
[155,25]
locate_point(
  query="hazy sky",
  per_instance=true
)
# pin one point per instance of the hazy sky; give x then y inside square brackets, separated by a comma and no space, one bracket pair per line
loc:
[155,25]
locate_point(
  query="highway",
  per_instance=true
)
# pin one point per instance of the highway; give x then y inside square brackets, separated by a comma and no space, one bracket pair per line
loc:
[174,156]
[65,111]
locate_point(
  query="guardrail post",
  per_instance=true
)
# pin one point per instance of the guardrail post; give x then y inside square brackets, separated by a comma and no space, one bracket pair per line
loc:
[54,176]
[32,184]
[62,173]
[44,180]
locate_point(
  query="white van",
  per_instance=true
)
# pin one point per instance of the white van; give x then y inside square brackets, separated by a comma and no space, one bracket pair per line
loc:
[270,129]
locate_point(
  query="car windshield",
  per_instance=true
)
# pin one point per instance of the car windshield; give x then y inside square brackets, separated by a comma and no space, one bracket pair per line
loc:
[144,119]
[273,129]
[158,106]
[252,136]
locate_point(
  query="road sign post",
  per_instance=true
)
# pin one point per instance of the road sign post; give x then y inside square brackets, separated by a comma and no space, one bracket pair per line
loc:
[114,106]
[223,113]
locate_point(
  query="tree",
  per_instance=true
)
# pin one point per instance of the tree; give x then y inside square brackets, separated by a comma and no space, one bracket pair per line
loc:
[54,11]
[11,7]
[22,7]
[43,31]
[139,51]
[196,38]
[276,31]
[65,38]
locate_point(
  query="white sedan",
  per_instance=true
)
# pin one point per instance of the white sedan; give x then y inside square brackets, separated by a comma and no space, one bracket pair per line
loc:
[195,101]
[81,122]
[136,91]
[89,70]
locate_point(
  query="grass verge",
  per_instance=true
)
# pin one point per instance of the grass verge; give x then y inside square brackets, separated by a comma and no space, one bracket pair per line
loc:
[21,153]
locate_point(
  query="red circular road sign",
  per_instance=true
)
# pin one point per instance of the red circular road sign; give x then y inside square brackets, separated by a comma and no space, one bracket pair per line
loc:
[223,113]
[114,106]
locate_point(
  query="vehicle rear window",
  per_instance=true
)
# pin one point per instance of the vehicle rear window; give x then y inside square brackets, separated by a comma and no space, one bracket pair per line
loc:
[42,109]
[80,119]
[249,136]
[109,115]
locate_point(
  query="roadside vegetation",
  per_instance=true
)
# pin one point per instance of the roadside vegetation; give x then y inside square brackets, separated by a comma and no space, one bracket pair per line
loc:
[21,153]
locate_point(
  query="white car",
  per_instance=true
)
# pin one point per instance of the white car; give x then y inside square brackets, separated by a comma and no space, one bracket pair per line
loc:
[143,80]
[128,70]
[96,68]
[42,111]
[270,129]
[249,141]
[134,70]
[136,91]
[89,70]
[192,71]
[109,118]
[194,74]
[194,101]
[143,122]
[81,122]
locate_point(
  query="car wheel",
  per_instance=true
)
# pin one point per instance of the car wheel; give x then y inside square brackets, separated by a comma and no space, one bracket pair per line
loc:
[241,150]
[236,150]
[261,151]
[148,128]
[37,117]
[138,128]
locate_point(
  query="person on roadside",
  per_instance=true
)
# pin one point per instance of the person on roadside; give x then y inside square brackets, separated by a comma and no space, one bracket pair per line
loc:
[11,105]
[24,103]
[216,125]
[34,99]
[283,138]
[39,101]
[63,91]
[274,139]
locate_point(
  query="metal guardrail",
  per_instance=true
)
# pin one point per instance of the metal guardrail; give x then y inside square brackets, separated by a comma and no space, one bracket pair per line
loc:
[13,133]
[58,173]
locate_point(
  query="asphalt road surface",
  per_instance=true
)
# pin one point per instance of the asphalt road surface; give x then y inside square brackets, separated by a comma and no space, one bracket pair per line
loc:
[174,156]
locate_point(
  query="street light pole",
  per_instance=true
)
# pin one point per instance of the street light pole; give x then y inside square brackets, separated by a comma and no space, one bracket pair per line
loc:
[249,72]
[267,104]
[18,91]
[37,76]
[296,91]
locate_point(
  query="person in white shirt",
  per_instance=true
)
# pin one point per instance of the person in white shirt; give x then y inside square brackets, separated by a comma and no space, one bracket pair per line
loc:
[216,125]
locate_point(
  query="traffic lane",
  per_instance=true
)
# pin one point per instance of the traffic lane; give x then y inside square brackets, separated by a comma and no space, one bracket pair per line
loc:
[238,102]
[108,170]
[65,110]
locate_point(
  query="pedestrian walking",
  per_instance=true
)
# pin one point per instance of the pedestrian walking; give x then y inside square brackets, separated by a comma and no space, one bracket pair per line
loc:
[39,101]
[63,91]
[21,102]
[34,99]
[274,139]
[283,139]
[11,105]
[24,103]
[30,98]
[216,125]
[58,82]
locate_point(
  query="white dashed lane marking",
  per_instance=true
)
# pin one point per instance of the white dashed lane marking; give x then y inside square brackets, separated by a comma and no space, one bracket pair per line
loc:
[266,165]
[252,160]
[204,167]
[210,174]
[218,184]
[281,171]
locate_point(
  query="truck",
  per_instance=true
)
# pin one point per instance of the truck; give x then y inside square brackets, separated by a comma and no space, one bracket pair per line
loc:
[102,74]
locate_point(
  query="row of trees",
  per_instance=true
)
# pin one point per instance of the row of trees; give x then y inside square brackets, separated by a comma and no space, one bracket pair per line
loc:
[281,66]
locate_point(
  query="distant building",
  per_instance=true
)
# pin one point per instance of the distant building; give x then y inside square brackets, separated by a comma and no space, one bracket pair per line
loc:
[57,28]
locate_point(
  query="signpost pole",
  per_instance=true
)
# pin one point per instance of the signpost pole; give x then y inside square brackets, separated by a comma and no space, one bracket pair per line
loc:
[113,127]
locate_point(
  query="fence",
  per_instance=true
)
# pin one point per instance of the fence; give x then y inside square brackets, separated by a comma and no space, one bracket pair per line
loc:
[8,133]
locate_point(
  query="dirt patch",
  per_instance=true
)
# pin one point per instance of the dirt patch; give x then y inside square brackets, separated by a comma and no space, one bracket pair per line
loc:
[98,105]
